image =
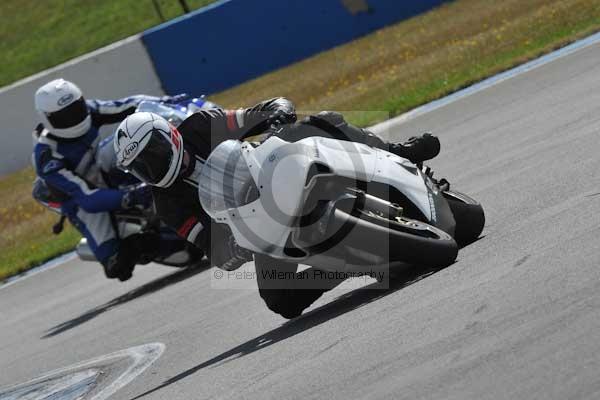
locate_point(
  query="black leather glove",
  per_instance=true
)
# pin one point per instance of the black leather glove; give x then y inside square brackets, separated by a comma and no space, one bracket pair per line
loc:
[140,197]
[281,117]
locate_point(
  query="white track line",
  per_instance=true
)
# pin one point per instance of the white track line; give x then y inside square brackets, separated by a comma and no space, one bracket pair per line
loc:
[141,358]
[382,127]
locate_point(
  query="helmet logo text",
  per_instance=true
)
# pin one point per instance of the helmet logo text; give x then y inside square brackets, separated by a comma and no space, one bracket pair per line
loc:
[130,150]
[64,100]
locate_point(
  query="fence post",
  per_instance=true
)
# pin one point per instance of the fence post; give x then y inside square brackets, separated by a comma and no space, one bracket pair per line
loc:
[184,5]
[158,10]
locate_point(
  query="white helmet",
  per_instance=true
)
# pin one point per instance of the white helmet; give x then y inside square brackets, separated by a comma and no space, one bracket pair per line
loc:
[149,147]
[63,109]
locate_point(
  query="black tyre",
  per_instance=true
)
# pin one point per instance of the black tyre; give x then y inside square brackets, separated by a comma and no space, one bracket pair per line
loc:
[282,295]
[469,217]
[404,240]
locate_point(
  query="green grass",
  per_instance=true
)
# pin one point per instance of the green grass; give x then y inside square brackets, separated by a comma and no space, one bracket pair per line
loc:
[37,250]
[39,34]
[413,62]
[384,74]
[26,238]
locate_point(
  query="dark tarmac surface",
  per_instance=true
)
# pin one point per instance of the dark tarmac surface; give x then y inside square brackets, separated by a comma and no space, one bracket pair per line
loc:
[516,317]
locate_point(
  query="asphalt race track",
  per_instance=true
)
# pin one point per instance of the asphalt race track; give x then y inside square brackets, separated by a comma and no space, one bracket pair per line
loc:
[516,317]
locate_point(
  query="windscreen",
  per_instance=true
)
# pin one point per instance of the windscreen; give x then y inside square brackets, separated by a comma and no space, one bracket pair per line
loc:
[225,180]
[174,114]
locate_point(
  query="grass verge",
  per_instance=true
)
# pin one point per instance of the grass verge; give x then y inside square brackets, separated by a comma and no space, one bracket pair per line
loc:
[36,35]
[26,238]
[413,62]
[390,71]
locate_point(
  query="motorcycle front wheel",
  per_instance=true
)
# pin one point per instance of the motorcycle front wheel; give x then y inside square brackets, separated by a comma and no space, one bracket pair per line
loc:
[283,294]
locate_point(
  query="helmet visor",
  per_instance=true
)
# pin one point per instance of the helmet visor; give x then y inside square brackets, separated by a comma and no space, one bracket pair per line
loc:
[153,162]
[71,115]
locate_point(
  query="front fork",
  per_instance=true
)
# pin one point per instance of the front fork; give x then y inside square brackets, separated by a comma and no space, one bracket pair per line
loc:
[351,202]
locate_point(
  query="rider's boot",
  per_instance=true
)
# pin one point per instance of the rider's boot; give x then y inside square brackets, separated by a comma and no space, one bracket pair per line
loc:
[135,249]
[418,148]
[146,246]
[442,184]
[332,124]
[119,266]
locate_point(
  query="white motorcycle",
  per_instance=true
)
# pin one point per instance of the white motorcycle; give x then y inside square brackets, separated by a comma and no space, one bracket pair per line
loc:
[335,205]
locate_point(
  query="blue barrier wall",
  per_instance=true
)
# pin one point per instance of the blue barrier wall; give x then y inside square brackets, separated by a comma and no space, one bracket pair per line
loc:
[233,41]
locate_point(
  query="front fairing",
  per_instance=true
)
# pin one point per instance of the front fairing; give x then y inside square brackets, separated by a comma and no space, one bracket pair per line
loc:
[441,214]
[277,170]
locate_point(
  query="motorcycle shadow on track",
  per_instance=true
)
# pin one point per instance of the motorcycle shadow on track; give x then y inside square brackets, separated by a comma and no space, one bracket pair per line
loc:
[146,289]
[339,306]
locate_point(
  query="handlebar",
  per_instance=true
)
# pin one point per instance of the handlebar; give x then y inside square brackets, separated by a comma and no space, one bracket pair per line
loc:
[59,226]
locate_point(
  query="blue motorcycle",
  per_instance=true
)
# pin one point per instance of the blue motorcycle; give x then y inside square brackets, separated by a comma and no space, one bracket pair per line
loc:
[133,221]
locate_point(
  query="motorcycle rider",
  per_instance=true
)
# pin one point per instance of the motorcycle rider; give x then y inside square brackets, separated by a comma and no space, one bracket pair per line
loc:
[64,155]
[170,160]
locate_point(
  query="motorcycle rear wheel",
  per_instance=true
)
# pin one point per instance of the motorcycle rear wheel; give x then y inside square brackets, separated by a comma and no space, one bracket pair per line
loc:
[469,217]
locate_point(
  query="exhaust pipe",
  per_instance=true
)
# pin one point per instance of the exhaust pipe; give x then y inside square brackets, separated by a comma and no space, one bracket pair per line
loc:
[84,252]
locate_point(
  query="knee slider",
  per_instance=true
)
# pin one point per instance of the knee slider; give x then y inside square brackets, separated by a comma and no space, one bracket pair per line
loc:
[111,266]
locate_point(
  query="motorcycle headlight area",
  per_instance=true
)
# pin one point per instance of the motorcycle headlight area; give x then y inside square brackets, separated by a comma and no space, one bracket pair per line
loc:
[225,179]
